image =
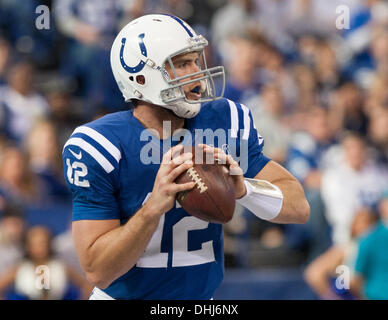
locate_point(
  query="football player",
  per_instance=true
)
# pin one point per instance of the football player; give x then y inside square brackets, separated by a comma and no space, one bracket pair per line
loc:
[132,238]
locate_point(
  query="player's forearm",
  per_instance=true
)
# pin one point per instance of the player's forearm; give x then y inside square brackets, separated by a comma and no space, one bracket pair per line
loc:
[295,208]
[117,251]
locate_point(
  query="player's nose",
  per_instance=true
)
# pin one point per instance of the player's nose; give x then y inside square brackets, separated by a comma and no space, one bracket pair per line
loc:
[195,69]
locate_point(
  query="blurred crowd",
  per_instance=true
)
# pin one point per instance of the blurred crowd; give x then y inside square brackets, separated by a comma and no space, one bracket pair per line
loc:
[317,90]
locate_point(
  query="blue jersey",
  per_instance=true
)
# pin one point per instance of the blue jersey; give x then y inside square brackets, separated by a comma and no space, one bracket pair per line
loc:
[110,167]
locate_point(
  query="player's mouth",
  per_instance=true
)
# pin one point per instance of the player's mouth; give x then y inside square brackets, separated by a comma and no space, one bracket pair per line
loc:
[195,93]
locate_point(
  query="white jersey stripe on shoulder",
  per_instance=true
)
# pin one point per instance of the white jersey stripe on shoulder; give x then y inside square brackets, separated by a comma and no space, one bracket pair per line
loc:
[98,137]
[233,119]
[247,122]
[79,142]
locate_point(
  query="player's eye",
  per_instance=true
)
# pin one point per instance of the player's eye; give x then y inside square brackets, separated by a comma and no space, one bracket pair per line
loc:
[183,65]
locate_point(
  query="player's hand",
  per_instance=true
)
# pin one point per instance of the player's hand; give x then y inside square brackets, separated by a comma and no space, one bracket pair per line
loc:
[165,189]
[235,171]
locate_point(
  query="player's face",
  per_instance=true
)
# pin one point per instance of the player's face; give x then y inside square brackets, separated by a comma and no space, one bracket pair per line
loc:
[185,64]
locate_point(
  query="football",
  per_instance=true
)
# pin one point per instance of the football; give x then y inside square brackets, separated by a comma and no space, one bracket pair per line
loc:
[213,197]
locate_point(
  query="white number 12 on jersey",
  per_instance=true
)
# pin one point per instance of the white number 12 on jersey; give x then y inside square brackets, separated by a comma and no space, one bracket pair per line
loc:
[80,171]
[181,256]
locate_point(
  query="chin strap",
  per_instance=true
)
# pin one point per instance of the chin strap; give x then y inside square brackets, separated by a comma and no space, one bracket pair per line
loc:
[185,110]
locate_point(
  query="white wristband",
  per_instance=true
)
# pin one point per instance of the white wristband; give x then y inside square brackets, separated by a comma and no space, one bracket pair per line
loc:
[263,199]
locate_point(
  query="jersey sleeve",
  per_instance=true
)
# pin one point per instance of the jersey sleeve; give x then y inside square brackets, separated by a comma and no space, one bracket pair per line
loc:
[257,159]
[251,157]
[90,163]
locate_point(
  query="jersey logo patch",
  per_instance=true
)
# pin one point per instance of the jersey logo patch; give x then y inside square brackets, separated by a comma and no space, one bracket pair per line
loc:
[78,156]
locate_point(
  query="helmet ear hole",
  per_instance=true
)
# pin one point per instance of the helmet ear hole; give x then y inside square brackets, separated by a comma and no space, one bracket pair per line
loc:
[140,79]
